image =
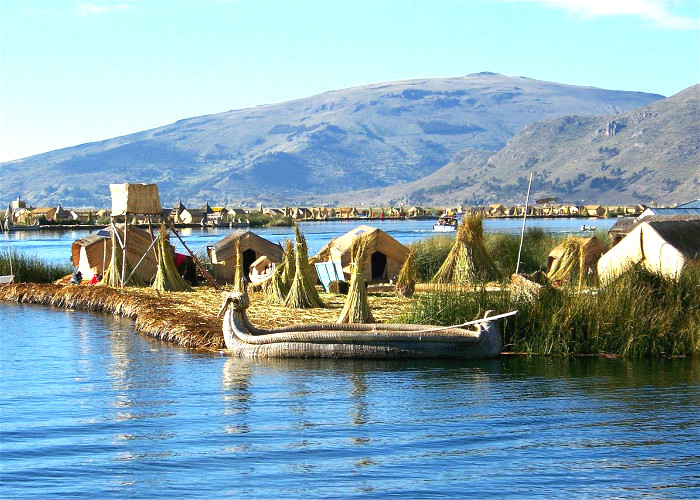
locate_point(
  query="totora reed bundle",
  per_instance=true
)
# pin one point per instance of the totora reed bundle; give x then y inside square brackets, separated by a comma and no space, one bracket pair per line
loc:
[406,280]
[568,267]
[239,281]
[289,269]
[280,282]
[167,278]
[302,293]
[356,308]
[468,260]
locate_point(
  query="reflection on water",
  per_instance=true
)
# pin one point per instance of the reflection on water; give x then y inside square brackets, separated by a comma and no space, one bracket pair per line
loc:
[91,409]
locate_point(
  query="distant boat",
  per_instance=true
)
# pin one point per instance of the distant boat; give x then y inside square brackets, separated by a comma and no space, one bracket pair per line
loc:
[447,222]
[587,229]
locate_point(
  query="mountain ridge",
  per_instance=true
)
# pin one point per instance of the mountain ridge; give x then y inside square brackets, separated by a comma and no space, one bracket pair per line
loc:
[365,137]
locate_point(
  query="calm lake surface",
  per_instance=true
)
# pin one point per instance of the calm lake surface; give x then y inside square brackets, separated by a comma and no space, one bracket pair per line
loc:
[91,409]
[55,246]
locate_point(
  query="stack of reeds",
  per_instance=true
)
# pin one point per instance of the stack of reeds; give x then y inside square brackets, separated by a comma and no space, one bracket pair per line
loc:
[113,275]
[239,281]
[468,260]
[167,278]
[280,282]
[406,280]
[289,269]
[302,293]
[356,308]
[569,266]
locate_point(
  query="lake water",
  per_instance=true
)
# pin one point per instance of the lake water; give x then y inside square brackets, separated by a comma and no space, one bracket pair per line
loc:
[55,246]
[91,409]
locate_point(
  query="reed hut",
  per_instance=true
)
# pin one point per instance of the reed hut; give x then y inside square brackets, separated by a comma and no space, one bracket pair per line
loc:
[663,247]
[91,255]
[384,258]
[574,259]
[223,253]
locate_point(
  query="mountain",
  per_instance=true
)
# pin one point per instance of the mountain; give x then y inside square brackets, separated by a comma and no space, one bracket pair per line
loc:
[366,137]
[648,153]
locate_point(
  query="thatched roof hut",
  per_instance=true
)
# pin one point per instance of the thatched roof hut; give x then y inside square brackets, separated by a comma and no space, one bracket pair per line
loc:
[664,247]
[626,225]
[93,253]
[385,255]
[223,253]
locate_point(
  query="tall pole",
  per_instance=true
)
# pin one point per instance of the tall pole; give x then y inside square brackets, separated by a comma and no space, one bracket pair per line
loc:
[126,227]
[522,231]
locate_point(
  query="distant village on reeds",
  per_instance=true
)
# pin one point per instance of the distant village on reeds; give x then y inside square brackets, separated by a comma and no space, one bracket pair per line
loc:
[21,213]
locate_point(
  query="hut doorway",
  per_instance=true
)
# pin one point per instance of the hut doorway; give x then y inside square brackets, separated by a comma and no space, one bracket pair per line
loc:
[249,257]
[378,263]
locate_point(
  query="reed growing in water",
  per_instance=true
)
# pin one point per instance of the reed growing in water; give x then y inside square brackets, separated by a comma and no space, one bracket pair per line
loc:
[641,314]
[431,252]
[356,307]
[32,269]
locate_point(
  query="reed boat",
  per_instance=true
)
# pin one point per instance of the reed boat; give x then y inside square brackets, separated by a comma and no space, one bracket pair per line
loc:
[333,340]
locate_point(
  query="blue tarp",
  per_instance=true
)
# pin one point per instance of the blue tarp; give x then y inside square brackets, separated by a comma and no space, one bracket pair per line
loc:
[329,271]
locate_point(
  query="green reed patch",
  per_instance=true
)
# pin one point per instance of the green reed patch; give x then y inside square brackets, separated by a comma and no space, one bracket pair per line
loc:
[31,269]
[639,315]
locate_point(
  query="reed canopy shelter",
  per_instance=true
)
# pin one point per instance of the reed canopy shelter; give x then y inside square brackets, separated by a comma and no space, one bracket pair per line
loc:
[92,254]
[663,247]
[130,200]
[223,254]
[384,259]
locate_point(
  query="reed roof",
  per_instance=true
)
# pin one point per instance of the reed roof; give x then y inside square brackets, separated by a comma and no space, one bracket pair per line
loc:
[87,241]
[225,249]
[378,241]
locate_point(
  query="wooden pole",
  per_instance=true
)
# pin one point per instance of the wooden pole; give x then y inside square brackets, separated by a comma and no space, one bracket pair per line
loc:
[522,231]
[126,227]
[206,274]
[104,255]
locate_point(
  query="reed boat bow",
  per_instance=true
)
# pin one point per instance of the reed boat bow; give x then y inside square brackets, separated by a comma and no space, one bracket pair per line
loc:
[334,340]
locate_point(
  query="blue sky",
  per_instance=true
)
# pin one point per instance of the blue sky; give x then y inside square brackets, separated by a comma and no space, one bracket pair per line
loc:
[76,72]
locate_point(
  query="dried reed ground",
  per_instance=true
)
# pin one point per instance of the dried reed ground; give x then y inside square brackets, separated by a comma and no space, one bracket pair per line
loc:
[189,319]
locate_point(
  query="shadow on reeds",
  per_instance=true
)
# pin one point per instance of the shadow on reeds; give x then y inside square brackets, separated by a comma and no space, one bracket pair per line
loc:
[32,269]
[639,315]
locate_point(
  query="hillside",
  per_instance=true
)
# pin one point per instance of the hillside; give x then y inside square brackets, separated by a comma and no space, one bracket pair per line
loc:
[360,138]
[649,153]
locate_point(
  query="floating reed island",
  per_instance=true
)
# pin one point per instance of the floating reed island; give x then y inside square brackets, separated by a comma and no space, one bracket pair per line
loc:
[188,319]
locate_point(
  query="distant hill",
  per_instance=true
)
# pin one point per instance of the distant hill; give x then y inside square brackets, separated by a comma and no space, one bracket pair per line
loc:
[649,153]
[366,137]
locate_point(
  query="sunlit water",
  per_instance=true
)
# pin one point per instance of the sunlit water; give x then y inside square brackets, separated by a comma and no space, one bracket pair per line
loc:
[91,409]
